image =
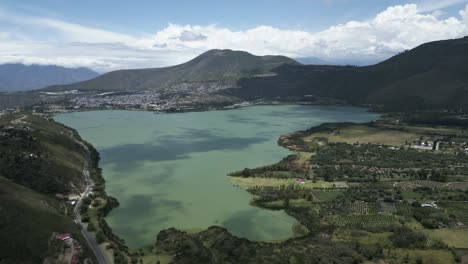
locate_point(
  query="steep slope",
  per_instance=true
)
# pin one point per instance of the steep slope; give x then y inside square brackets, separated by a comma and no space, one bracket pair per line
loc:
[28,221]
[20,77]
[213,65]
[40,154]
[433,75]
[39,159]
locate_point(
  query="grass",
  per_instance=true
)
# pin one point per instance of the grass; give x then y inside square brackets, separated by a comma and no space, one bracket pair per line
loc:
[432,256]
[454,237]
[374,222]
[27,221]
[326,195]
[363,237]
[250,182]
[366,134]
[426,129]
[409,195]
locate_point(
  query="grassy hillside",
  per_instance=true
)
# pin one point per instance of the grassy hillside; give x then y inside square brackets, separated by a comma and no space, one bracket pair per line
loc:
[27,221]
[39,158]
[40,154]
[213,65]
[433,75]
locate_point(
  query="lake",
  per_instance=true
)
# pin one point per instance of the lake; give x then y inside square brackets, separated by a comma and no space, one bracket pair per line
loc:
[169,170]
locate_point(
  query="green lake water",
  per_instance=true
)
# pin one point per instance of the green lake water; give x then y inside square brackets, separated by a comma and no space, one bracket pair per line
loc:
[169,170]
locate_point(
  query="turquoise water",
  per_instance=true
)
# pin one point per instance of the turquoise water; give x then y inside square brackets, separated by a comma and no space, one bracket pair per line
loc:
[169,170]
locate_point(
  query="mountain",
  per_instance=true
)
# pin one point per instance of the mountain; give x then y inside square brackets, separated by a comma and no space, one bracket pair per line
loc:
[213,65]
[433,75]
[39,159]
[20,77]
[28,220]
[312,61]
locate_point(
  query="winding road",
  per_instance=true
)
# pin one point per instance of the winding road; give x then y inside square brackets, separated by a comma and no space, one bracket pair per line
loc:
[100,255]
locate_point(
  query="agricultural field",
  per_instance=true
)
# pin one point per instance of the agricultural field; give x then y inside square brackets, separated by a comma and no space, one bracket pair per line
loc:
[403,208]
[364,222]
[362,134]
[326,195]
[363,237]
[449,186]
[365,184]
[453,237]
[251,182]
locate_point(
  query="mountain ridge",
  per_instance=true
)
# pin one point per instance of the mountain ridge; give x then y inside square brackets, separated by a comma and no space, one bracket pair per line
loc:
[213,65]
[22,77]
[432,75]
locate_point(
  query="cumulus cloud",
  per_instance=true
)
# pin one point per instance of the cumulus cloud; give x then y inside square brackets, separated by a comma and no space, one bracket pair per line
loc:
[391,31]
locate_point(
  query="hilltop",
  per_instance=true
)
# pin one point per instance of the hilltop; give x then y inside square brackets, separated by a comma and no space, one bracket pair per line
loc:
[213,65]
[433,75]
[20,77]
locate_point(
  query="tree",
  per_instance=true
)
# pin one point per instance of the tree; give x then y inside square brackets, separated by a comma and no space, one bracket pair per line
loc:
[91,227]
[100,237]
[404,237]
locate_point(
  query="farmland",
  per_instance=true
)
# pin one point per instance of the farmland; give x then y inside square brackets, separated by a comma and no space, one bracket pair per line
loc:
[366,183]
[259,182]
[453,237]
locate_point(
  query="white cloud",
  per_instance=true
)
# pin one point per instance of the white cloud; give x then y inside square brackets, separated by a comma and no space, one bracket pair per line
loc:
[433,5]
[464,14]
[47,41]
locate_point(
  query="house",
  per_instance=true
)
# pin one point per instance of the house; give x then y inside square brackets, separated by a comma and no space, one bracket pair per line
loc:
[427,145]
[301,181]
[431,204]
[63,237]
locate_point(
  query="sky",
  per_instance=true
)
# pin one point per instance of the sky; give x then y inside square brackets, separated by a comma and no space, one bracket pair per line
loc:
[109,35]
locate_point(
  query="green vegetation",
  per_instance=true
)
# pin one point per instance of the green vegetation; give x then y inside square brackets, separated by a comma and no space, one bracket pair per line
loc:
[356,200]
[453,237]
[40,159]
[224,66]
[40,154]
[427,77]
[27,222]
[400,204]
[97,206]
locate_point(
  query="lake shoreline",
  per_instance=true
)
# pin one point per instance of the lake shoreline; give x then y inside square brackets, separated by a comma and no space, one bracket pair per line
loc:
[273,241]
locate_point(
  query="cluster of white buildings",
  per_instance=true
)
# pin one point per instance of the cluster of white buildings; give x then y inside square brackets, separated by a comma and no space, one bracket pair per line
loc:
[144,100]
[426,145]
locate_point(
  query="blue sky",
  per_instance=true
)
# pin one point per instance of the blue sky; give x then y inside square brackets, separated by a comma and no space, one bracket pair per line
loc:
[107,35]
[144,16]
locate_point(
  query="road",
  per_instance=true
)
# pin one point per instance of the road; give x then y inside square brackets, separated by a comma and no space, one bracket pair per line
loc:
[100,255]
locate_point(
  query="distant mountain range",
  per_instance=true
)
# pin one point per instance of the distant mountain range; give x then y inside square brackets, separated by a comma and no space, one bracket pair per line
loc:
[213,65]
[431,76]
[313,61]
[20,77]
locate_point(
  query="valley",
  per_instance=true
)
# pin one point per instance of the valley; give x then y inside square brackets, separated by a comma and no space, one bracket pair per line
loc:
[295,169]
